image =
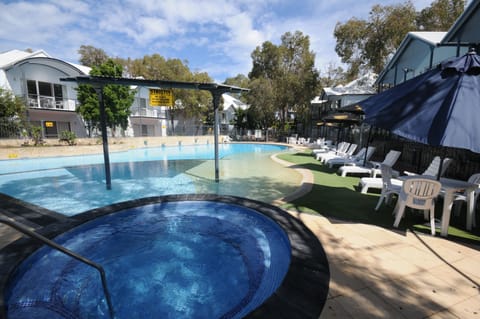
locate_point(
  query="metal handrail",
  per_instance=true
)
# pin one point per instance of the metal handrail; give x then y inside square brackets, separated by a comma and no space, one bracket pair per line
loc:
[23,229]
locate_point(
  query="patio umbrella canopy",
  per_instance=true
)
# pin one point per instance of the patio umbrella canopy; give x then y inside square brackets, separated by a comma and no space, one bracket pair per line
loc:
[440,107]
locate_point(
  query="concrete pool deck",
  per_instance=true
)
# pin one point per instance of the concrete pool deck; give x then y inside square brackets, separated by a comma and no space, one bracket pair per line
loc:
[383,273]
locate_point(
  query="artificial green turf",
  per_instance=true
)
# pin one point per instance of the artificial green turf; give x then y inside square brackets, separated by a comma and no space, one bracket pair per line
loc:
[338,197]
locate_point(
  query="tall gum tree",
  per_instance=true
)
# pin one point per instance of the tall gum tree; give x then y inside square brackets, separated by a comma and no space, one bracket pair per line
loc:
[291,74]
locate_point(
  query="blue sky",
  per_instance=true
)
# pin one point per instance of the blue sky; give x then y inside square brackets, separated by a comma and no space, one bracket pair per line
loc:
[214,36]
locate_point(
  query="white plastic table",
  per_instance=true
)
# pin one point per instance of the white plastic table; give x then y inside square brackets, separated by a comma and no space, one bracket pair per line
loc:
[450,187]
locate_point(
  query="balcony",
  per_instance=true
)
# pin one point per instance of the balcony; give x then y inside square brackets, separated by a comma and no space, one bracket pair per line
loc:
[49,102]
[146,112]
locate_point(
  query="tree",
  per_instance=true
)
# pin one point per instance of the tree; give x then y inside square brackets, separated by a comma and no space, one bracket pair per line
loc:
[291,71]
[332,76]
[365,45]
[261,99]
[387,28]
[441,15]
[91,56]
[118,99]
[12,113]
[239,80]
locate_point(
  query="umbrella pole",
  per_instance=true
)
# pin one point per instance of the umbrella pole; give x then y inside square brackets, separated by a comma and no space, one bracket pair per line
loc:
[338,140]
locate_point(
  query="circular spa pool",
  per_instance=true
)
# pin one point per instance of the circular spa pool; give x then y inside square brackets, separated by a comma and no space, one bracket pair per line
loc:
[166,259]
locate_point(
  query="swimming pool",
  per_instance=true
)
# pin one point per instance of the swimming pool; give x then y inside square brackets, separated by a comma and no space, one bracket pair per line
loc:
[73,184]
[173,259]
[241,231]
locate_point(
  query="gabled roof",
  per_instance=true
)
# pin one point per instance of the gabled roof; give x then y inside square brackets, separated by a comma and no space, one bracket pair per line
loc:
[362,85]
[15,57]
[229,100]
[411,52]
[11,57]
[465,29]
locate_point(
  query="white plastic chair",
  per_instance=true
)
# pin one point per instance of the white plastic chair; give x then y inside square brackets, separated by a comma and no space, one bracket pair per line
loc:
[388,188]
[418,193]
[462,197]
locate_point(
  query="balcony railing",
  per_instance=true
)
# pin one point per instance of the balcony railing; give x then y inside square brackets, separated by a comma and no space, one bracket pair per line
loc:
[49,102]
[141,112]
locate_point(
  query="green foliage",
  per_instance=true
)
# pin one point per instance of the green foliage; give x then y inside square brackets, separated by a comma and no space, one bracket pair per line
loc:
[68,137]
[117,99]
[283,78]
[91,56]
[441,15]
[36,135]
[12,113]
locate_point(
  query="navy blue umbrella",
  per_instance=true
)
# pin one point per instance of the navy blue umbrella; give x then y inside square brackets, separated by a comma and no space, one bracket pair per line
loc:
[440,107]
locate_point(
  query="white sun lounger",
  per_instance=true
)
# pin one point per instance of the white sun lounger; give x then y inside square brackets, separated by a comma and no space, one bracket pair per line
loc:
[356,160]
[373,168]
[323,158]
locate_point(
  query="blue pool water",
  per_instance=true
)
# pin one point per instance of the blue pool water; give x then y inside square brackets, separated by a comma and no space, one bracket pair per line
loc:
[186,259]
[73,184]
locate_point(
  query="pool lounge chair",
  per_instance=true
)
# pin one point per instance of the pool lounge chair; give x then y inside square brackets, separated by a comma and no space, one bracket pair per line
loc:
[432,169]
[341,147]
[323,158]
[356,160]
[372,168]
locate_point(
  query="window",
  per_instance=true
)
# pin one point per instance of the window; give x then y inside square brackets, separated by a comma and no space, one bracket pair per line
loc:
[32,88]
[45,94]
[45,88]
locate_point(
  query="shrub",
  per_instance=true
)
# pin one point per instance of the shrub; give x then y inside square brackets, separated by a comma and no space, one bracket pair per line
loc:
[68,137]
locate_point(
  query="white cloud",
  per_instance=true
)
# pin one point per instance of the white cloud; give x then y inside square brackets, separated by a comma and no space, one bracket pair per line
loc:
[216,36]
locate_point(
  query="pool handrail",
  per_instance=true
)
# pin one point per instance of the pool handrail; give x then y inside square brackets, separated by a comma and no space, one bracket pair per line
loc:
[23,229]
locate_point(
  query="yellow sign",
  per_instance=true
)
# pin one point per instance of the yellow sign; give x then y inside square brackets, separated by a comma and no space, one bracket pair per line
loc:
[161,97]
[48,124]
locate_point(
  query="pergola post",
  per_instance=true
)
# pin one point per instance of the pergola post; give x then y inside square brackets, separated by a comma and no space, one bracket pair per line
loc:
[103,127]
[216,128]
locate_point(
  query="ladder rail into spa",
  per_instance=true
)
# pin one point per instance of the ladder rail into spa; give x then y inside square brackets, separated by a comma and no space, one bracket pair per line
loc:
[23,229]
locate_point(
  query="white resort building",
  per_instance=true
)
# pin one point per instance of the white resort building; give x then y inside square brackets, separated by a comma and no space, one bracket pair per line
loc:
[51,103]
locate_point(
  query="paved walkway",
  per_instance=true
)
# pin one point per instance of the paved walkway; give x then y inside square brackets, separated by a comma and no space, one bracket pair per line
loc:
[386,273]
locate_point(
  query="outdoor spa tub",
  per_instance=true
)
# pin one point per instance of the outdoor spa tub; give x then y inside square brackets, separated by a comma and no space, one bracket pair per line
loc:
[178,256]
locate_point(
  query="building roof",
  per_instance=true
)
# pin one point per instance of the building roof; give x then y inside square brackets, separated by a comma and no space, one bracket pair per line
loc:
[229,100]
[362,85]
[11,57]
[14,57]
[465,29]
